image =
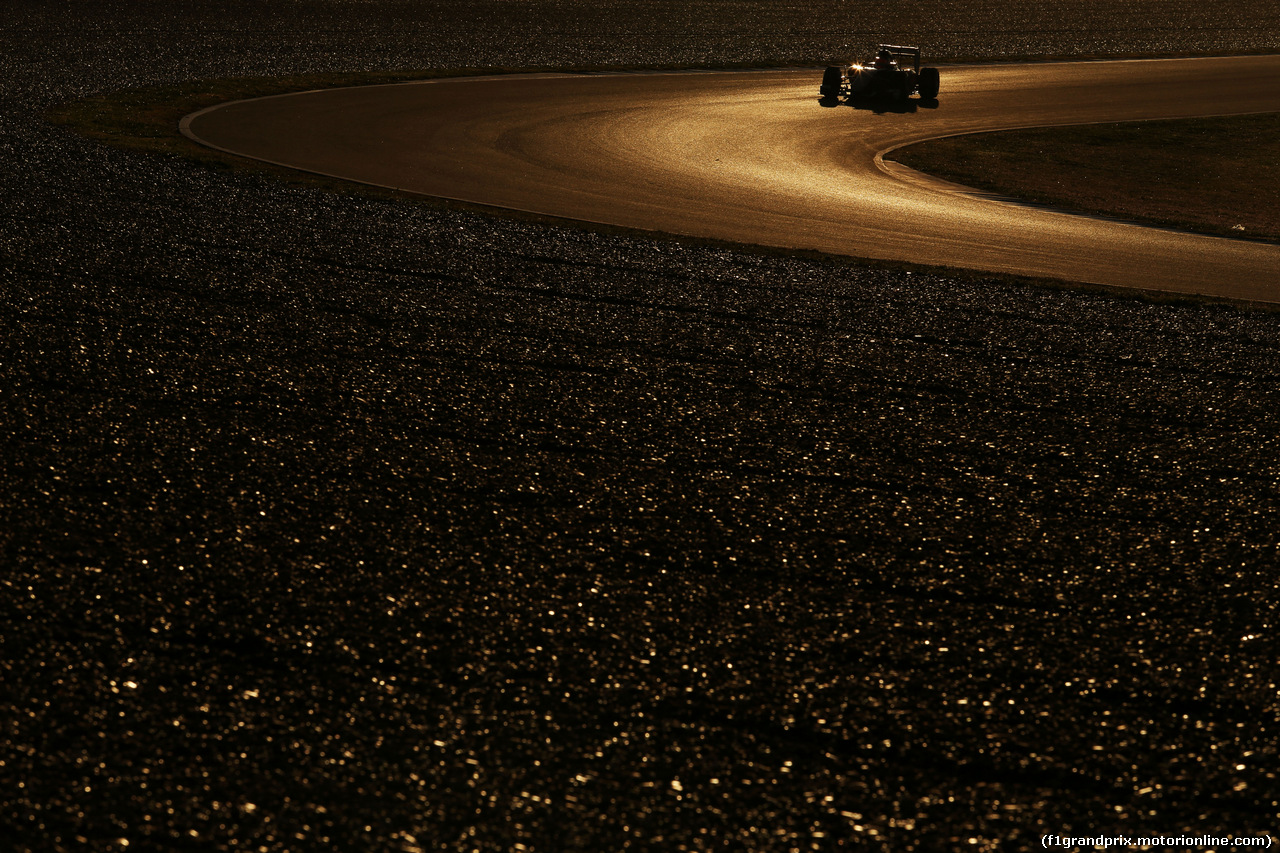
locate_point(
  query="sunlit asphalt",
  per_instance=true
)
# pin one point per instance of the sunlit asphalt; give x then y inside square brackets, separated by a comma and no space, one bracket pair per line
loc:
[332,522]
[758,158]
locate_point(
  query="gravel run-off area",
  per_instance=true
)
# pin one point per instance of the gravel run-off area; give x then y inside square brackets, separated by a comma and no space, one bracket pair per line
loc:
[359,524]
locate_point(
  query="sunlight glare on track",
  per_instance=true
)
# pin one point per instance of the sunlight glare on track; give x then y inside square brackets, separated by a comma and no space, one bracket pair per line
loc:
[756,158]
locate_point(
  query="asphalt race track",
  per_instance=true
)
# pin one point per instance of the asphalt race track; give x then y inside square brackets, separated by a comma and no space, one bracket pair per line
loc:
[334,521]
[757,157]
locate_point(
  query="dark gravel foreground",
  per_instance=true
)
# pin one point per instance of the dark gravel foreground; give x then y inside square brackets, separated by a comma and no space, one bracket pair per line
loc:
[344,524]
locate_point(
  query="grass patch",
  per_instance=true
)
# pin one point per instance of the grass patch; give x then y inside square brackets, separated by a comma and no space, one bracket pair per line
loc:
[1216,175]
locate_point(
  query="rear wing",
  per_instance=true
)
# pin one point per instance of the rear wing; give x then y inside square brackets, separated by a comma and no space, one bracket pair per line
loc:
[898,50]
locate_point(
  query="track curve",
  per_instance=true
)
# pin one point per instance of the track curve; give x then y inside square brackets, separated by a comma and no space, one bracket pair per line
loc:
[755,157]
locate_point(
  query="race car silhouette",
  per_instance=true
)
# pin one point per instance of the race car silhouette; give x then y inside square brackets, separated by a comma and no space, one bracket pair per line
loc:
[895,73]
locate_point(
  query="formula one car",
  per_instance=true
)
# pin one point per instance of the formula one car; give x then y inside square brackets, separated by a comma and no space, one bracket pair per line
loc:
[895,73]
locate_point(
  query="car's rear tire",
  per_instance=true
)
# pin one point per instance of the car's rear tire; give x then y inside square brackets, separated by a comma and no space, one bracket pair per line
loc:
[831,80]
[929,83]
